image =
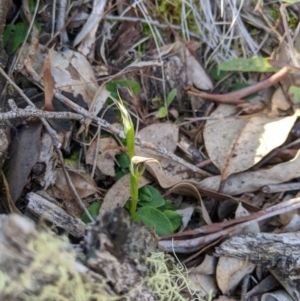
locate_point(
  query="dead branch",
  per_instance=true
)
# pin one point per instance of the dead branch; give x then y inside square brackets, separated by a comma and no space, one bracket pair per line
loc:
[221,230]
[40,207]
[31,111]
[236,97]
[104,124]
[277,252]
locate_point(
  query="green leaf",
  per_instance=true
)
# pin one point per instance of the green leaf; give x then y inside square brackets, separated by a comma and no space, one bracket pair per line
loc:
[171,96]
[254,64]
[14,34]
[152,217]
[168,206]
[216,73]
[174,218]
[145,194]
[239,86]
[156,198]
[290,1]
[123,160]
[112,86]
[119,174]
[93,210]
[162,112]
[294,93]
[73,159]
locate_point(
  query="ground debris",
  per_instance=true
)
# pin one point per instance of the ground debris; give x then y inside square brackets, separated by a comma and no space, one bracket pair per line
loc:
[115,264]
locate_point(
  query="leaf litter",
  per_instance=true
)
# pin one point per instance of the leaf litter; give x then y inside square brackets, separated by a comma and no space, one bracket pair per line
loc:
[233,183]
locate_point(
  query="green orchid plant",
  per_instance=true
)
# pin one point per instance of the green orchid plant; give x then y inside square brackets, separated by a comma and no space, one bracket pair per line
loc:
[137,164]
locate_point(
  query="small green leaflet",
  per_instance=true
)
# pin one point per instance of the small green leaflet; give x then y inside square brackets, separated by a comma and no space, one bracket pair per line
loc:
[294,93]
[168,206]
[14,35]
[145,194]
[174,218]
[112,86]
[152,217]
[162,112]
[123,160]
[149,196]
[93,210]
[171,96]
[254,64]
[290,1]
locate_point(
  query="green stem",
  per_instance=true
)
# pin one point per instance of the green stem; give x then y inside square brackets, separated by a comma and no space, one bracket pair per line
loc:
[134,193]
[134,181]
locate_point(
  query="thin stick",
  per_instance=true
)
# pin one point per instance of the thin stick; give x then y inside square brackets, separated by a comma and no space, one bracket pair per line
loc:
[55,142]
[71,186]
[193,245]
[108,126]
[236,97]
[34,112]
[66,24]
[273,188]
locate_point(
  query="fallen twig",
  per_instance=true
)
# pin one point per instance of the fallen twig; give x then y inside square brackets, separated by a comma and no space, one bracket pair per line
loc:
[237,96]
[31,111]
[224,229]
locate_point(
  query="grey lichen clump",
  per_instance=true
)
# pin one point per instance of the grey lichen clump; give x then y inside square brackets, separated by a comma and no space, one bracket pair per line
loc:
[36,265]
[116,263]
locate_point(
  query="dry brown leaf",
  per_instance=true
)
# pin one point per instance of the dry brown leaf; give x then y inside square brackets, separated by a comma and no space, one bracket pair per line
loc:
[225,298]
[171,172]
[125,37]
[235,145]
[279,102]
[196,74]
[189,189]
[230,272]
[97,104]
[119,193]
[290,284]
[163,135]
[252,228]
[24,154]
[11,205]
[71,71]
[160,134]
[293,225]
[254,180]
[186,215]
[43,172]
[48,82]
[277,296]
[226,208]
[83,186]
[202,285]
[107,150]
[207,267]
